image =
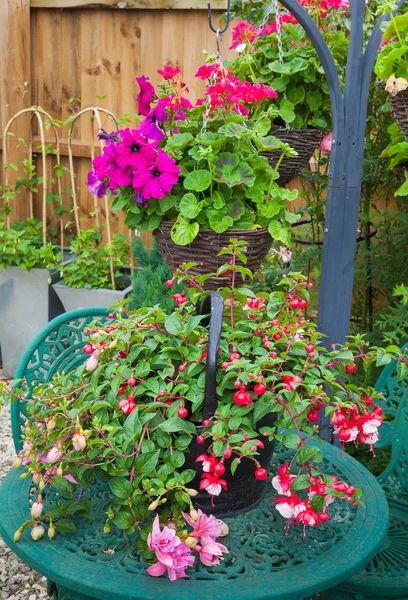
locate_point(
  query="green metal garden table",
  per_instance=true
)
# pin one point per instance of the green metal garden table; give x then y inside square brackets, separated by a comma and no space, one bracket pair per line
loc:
[264,562]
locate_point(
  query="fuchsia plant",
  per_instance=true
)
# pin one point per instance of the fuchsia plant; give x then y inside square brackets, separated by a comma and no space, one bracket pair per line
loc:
[133,415]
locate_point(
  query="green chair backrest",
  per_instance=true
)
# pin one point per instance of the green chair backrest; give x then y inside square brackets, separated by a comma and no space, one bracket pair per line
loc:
[394,432]
[56,348]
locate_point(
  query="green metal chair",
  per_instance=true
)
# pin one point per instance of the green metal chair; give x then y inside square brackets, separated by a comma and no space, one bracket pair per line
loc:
[386,575]
[56,348]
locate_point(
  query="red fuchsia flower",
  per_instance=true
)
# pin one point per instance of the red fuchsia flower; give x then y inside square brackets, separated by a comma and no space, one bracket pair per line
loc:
[159,179]
[173,556]
[254,303]
[212,484]
[145,96]
[282,481]
[209,462]
[169,72]
[95,186]
[179,298]
[243,33]
[126,405]
[326,143]
[320,488]
[150,126]
[308,517]
[204,527]
[291,382]
[211,552]
[135,151]
[290,507]
[370,423]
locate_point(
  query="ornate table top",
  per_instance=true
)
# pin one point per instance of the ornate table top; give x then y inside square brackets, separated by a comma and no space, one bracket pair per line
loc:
[263,562]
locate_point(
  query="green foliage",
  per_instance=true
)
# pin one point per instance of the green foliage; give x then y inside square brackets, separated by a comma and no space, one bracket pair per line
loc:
[394,322]
[149,287]
[91,267]
[393,58]
[22,246]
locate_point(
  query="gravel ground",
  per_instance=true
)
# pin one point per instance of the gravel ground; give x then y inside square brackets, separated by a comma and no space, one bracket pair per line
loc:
[17,580]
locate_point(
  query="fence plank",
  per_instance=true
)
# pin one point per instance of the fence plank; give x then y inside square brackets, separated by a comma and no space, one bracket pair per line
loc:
[15,86]
[141,4]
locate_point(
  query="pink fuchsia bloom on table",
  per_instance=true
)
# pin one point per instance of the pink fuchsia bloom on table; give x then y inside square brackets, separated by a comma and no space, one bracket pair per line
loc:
[145,96]
[282,481]
[95,186]
[169,72]
[159,179]
[173,556]
[212,484]
[205,527]
[135,151]
[211,552]
[326,143]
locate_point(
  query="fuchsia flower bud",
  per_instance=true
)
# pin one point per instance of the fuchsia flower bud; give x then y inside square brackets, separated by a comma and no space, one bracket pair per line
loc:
[37,508]
[79,442]
[37,532]
[91,363]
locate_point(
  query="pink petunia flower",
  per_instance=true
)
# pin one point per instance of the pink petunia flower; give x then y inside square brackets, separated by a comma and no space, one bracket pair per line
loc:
[158,180]
[145,96]
[150,126]
[135,151]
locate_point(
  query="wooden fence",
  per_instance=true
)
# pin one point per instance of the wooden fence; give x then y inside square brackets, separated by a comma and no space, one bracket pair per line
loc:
[66,55]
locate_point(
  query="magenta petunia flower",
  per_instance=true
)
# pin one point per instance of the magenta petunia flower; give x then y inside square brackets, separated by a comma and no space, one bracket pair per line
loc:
[158,180]
[102,163]
[150,127]
[135,151]
[145,96]
[95,186]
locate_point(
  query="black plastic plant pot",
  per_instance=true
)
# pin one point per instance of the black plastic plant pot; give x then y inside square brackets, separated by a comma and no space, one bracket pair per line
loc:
[244,491]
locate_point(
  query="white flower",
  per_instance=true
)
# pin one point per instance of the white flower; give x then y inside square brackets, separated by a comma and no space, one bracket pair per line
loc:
[240,48]
[372,438]
[214,489]
[371,426]
[285,509]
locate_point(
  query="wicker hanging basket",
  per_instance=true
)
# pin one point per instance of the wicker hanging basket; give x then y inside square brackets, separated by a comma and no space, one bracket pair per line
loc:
[399,107]
[205,248]
[304,141]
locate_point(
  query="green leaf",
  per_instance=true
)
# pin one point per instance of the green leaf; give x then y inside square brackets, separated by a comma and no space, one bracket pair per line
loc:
[263,126]
[235,130]
[142,369]
[382,358]
[286,111]
[229,170]
[198,180]
[217,222]
[121,487]
[236,209]
[309,454]
[65,526]
[215,140]
[132,427]
[300,483]
[183,232]
[189,206]
[173,325]
[123,520]
[178,141]
[176,424]
[279,232]
[402,371]
[147,462]
[290,440]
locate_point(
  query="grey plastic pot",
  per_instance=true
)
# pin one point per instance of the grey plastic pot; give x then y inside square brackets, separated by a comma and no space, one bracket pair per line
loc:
[73,298]
[27,303]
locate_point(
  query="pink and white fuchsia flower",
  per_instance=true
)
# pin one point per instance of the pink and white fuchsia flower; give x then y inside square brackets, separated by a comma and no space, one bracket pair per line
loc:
[281,482]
